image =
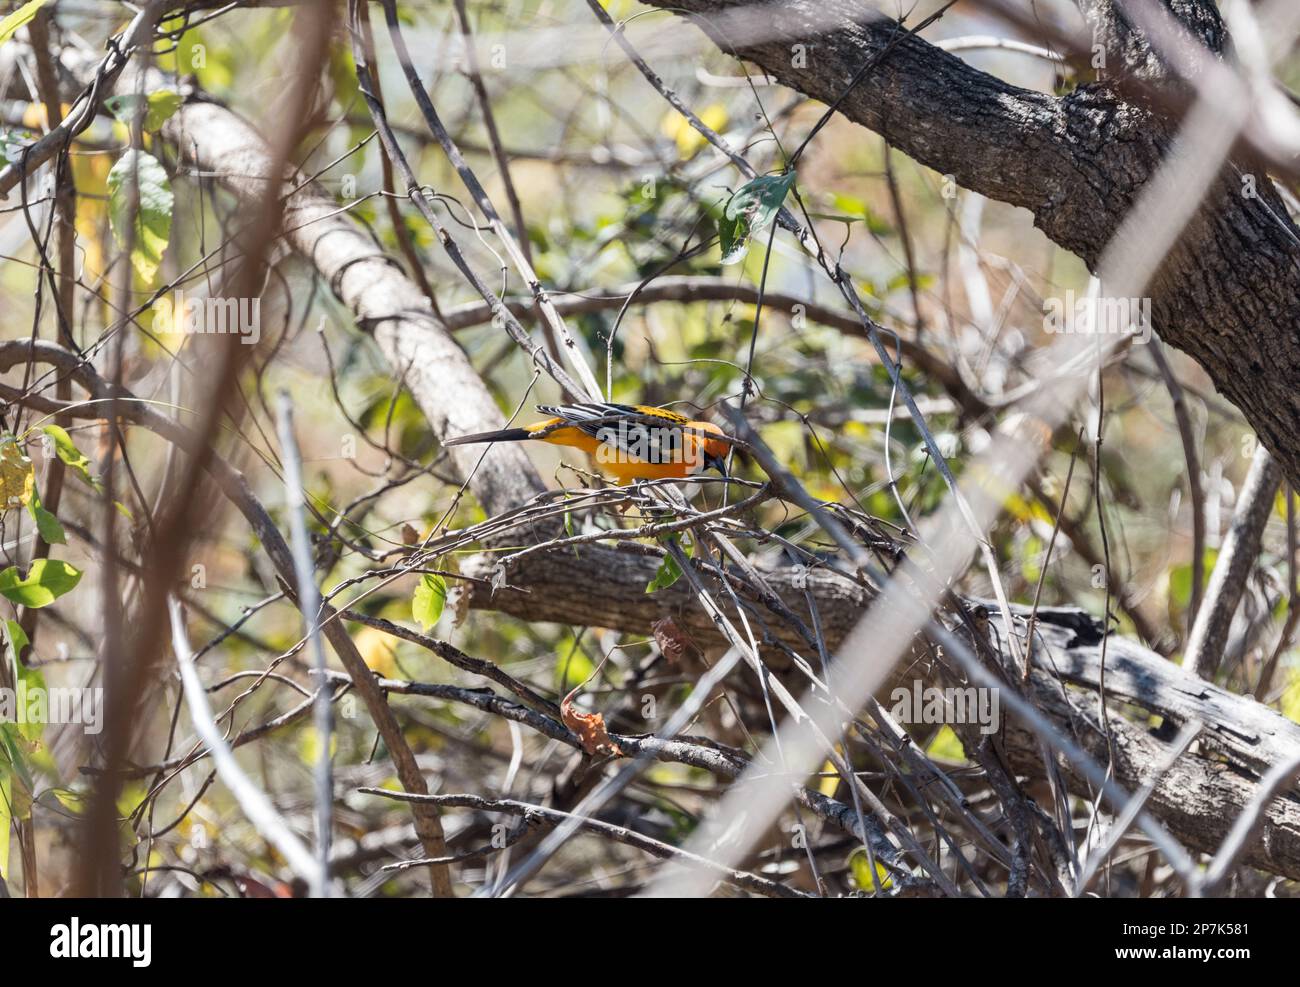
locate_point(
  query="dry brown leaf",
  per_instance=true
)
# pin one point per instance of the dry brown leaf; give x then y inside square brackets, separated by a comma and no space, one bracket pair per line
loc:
[590,728]
[672,640]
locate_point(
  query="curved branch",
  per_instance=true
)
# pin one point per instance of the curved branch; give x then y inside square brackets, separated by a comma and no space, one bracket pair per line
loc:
[699,288]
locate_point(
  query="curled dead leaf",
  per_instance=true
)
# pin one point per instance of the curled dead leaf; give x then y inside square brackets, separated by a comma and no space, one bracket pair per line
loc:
[590,728]
[672,640]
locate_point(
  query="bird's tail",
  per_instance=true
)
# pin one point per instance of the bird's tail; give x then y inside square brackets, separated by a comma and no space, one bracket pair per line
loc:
[500,435]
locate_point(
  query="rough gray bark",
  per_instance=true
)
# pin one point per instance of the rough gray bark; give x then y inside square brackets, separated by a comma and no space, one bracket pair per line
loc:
[1229,292]
[1115,30]
[601,586]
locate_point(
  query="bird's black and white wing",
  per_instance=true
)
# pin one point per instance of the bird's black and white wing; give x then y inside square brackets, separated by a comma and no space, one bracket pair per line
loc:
[649,434]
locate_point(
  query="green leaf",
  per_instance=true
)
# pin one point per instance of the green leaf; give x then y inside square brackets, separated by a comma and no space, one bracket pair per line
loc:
[162,104]
[46,581]
[6,815]
[759,200]
[72,457]
[10,25]
[155,107]
[669,571]
[12,144]
[429,600]
[11,753]
[733,235]
[153,219]
[46,523]
[17,640]
[750,210]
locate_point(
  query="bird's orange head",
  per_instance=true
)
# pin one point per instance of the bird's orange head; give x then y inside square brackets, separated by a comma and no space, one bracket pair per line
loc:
[714,451]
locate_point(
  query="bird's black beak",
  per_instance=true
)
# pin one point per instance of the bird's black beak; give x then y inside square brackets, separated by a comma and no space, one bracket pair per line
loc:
[718,463]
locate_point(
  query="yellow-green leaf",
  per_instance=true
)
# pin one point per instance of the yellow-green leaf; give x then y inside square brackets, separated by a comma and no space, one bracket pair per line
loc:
[861,868]
[429,600]
[153,217]
[946,745]
[45,582]
[152,110]
[6,815]
[72,457]
[10,25]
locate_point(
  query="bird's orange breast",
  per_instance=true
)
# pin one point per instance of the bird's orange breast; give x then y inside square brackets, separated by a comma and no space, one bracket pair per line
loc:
[619,464]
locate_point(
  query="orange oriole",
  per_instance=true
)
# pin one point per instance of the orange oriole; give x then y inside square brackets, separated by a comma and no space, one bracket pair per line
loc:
[629,442]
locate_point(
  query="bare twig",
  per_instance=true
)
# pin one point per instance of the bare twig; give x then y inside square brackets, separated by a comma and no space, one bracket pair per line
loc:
[1241,547]
[310,604]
